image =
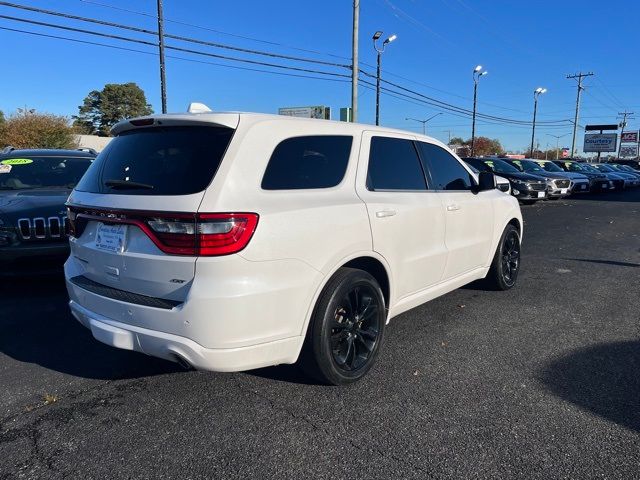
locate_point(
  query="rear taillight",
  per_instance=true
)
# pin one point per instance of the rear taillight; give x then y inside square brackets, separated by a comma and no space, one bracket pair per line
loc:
[199,234]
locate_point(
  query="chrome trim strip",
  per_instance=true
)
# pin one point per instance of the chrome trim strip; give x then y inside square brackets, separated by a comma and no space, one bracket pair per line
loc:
[35,227]
[28,221]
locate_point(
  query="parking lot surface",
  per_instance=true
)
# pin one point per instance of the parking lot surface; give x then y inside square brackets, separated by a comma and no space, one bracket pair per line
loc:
[541,381]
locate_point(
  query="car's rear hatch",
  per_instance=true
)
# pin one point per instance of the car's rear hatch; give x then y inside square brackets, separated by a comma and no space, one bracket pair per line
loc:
[133,216]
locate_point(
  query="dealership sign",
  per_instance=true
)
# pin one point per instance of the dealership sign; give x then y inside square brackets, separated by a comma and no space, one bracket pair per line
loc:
[318,111]
[629,151]
[600,142]
[629,137]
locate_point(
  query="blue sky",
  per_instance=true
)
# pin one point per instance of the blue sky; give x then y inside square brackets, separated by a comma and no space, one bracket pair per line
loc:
[523,45]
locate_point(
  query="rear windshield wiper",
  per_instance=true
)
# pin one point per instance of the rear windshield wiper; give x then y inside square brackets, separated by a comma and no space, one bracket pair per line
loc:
[127,185]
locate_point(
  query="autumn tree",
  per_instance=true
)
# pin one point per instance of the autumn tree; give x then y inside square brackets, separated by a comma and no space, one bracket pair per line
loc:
[37,130]
[101,110]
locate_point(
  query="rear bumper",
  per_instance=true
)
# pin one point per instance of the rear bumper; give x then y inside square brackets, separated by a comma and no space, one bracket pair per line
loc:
[180,349]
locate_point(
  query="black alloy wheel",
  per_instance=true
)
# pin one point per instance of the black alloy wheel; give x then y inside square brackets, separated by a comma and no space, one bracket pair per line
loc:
[355,328]
[506,261]
[346,329]
[511,257]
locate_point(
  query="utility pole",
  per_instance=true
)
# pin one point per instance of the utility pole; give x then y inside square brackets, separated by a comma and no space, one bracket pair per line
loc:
[579,76]
[449,133]
[163,80]
[623,124]
[354,61]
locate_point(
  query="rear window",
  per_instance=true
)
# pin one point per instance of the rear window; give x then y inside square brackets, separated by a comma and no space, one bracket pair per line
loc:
[158,161]
[308,162]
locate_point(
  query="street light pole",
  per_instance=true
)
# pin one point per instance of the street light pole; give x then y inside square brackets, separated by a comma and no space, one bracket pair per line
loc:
[477,73]
[536,93]
[380,51]
[557,137]
[424,122]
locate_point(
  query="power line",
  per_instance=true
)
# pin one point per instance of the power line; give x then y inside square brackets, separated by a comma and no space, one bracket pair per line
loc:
[244,37]
[236,67]
[169,47]
[175,37]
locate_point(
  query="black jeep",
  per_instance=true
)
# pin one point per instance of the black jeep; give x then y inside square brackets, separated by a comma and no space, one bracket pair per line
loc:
[34,186]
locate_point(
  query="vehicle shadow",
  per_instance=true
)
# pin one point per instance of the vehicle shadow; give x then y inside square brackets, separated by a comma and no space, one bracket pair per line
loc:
[605,262]
[37,327]
[603,379]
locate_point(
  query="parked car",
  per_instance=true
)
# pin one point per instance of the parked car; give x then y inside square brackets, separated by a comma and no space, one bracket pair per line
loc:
[558,186]
[526,188]
[630,180]
[615,181]
[633,163]
[580,182]
[598,181]
[625,169]
[34,186]
[232,241]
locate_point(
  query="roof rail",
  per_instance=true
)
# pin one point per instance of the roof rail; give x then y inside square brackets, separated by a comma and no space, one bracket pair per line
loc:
[87,149]
[7,149]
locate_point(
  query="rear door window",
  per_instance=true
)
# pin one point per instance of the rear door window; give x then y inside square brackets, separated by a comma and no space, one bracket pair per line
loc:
[394,165]
[316,161]
[158,161]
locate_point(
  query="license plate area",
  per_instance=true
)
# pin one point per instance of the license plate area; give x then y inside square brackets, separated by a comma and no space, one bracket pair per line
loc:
[540,194]
[111,238]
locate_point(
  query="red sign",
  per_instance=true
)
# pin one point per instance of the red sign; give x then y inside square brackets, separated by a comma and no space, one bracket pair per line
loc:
[629,137]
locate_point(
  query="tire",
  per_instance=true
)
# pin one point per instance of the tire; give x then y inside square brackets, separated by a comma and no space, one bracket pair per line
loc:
[346,330]
[505,266]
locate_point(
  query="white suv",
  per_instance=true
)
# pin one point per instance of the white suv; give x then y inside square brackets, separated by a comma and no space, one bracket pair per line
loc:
[232,241]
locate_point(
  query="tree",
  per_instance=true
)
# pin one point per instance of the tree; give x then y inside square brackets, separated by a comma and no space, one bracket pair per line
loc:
[456,141]
[486,146]
[2,119]
[101,110]
[37,130]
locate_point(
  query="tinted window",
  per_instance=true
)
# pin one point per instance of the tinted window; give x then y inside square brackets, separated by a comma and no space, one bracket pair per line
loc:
[158,161]
[27,172]
[394,165]
[446,171]
[308,162]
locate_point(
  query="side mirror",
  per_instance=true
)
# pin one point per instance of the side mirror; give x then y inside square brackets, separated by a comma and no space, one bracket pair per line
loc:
[486,181]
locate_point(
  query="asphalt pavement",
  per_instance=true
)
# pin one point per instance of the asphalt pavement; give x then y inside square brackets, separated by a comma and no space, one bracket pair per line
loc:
[538,382]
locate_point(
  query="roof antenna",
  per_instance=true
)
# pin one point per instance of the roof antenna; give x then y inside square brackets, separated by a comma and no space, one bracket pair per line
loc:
[195,107]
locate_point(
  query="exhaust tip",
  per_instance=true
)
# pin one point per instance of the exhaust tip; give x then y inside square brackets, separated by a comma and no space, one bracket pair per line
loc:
[182,362]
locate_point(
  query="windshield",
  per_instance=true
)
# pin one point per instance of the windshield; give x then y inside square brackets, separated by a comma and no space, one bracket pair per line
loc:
[500,166]
[588,168]
[604,168]
[530,166]
[30,172]
[550,166]
[575,167]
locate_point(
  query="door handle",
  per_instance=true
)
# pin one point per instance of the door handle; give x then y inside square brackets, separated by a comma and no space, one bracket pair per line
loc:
[453,207]
[385,213]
